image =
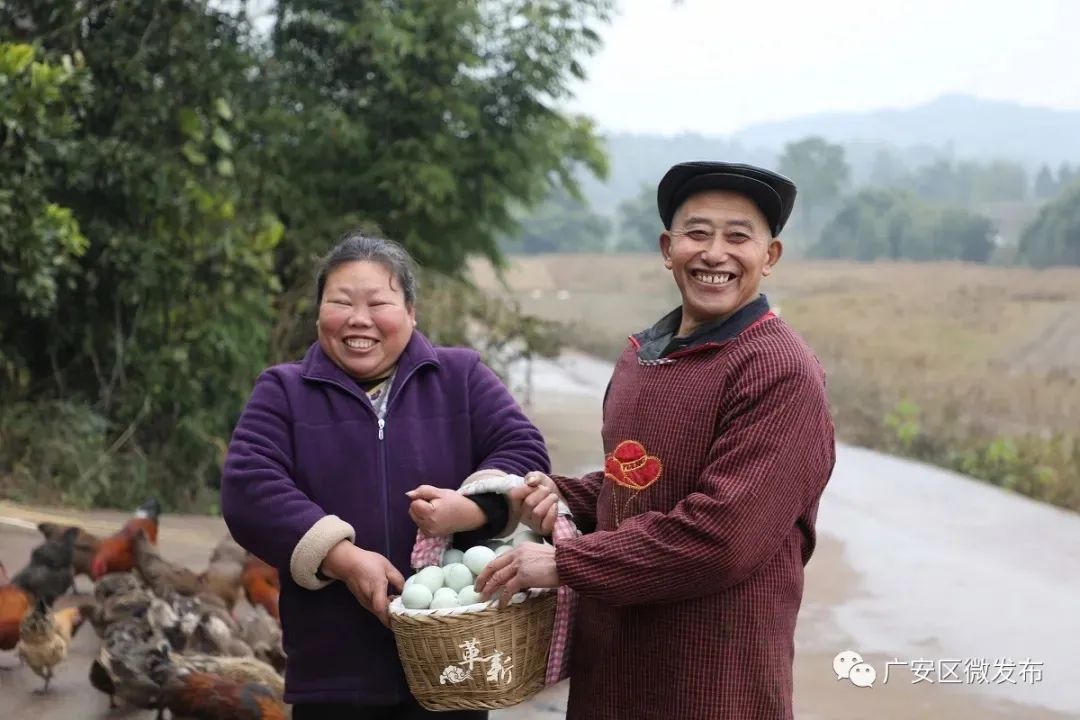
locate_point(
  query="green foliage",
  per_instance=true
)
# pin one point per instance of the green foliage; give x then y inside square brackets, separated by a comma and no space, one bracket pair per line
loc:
[903,424]
[40,240]
[639,222]
[169,177]
[820,172]
[894,225]
[560,224]
[1054,236]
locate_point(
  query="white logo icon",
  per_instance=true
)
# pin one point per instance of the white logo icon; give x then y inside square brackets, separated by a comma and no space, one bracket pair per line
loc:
[849,665]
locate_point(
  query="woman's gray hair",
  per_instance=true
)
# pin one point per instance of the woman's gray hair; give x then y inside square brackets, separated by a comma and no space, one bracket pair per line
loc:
[358,247]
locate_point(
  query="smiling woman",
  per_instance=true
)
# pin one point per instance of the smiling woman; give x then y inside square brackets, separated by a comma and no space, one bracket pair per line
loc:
[338,457]
[366,292]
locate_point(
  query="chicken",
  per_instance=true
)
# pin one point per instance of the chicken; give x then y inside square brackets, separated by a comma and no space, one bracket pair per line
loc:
[86,545]
[116,553]
[112,585]
[123,663]
[262,586]
[44,638]
[224,574]
[162,576]
[212,636]
[242,669]
[49,574]
[263,634]
[199,695]
[15,603]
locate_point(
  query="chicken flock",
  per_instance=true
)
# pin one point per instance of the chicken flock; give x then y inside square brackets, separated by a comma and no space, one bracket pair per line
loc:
[171,639]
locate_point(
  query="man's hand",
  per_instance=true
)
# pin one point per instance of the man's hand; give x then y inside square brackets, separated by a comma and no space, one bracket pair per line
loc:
[366,574]
[438,511]
[531,565]
[536,503]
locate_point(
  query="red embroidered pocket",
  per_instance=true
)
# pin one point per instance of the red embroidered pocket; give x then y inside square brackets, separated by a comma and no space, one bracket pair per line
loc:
[631,467]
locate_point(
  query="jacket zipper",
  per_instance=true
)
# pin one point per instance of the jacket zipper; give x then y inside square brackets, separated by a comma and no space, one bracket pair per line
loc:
[384,480]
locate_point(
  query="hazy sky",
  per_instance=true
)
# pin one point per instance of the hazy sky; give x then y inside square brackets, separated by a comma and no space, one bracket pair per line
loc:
[715,66]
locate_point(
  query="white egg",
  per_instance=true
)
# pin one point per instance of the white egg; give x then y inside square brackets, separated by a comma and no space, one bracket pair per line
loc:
[452,556]
[431,577]
[503,549]
[457,576]
[444,592]
[416,597]
[445,598]
[469,596]
[409,580]
[477,558]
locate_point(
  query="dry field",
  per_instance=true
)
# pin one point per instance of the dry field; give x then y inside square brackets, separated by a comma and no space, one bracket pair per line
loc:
[969,366]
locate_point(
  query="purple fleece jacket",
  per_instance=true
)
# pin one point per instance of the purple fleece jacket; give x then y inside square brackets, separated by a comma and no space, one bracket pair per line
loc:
[308,445]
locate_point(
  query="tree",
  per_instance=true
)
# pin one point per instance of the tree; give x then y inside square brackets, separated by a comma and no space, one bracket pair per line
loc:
[819,170]
[430,120]
[561,224]
[162,319]
[639,222]
[1066,175]
[1053,238]
[170,175]
[895,225]
[1045,186]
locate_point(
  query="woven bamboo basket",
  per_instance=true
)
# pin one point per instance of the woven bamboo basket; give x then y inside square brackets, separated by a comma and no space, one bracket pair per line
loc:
[477,657]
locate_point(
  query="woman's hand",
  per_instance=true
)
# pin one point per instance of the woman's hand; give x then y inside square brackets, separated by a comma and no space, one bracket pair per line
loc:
[531,565]
[536,503]
[438,511]
[366,574]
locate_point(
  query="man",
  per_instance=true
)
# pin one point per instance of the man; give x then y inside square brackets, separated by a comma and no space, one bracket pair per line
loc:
[718,445]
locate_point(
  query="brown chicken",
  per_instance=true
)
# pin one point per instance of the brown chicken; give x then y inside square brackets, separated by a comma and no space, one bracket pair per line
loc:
[15,603]
[116,553]
[44,638]
[262,585]
[225,572]
[86,545]
[200,695]
[162,576]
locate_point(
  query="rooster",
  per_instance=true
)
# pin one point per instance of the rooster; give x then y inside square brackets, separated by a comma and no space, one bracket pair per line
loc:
[15,603]
[86,545]
[242,669]
[116,553]
[199,695]
[44,638]
[262,586]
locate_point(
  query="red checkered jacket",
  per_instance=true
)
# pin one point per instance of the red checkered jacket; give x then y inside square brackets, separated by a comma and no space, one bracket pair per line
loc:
[703,517]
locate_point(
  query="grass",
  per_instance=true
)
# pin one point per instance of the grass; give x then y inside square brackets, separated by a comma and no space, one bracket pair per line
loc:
[972,367]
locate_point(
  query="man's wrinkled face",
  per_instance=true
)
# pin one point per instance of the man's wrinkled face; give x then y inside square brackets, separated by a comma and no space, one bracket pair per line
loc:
[718,250]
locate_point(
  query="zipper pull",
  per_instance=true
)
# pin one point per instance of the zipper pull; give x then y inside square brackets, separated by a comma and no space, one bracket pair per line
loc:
[382,424]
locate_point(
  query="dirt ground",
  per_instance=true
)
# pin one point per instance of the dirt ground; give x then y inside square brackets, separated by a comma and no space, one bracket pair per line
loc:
[571,423]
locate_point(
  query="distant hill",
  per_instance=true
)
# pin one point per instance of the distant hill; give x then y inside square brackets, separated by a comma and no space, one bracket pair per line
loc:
[952,126]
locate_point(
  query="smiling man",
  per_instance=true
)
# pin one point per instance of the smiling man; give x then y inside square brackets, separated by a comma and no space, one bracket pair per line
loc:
[718,444]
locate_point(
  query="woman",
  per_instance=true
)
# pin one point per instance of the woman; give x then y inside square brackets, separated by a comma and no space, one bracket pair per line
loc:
[320,462]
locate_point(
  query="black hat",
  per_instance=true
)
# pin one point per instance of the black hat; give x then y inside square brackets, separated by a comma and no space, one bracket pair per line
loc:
[773,193]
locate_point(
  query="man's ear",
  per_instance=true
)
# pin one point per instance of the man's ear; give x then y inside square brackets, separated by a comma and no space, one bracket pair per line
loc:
[665,248]
[776,249]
